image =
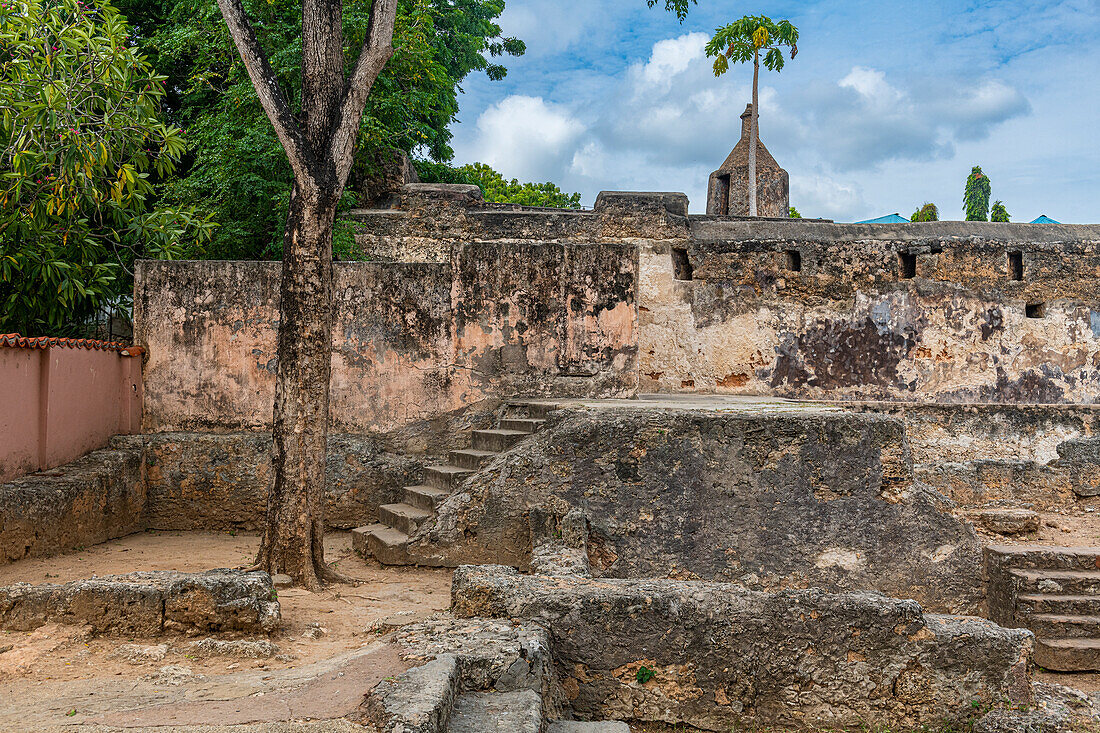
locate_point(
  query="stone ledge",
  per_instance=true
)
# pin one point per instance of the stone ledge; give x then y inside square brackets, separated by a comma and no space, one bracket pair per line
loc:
[147,604]
[725,656]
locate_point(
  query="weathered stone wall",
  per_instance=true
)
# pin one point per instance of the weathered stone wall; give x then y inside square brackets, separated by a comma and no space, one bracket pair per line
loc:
[411,341]
[94,499]
[826,311]
[772,498]
[726,658]
[427,220]
[147,604]
[1042,455]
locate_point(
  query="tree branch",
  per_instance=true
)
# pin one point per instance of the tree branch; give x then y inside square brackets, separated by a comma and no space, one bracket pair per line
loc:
[376,52]
[267,86]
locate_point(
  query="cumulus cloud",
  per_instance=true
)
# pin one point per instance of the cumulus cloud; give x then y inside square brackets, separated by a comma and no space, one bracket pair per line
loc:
[664,122]
[525,136]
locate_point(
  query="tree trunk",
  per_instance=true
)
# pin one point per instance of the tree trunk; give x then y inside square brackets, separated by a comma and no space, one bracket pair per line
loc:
[754,133]
[294,531]
[320,152]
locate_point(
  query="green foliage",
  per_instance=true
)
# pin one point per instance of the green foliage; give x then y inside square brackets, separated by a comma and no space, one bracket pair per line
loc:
[998,212]
[82,148]
[237,167]
[928,212]
[793,213]
[680,7]
[742,41]
[496,189]
[976,195]
[645,674]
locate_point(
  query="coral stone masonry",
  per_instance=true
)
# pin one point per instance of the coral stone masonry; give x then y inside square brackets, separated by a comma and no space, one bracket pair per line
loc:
[695,471]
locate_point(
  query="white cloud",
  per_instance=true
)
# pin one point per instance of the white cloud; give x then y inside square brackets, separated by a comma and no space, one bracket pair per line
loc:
[672,57]
[664,122]
[524,137]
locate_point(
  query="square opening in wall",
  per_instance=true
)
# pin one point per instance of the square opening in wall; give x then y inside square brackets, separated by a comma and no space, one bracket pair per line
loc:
[793,260]
[1036,310]
[681,265]
[1016,265]
[908,264]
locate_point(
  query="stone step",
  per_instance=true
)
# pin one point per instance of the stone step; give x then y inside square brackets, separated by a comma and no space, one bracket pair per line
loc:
[403,517]
[1044,557]
[535,410]
[1085,605]
[385,544]
[445,476]
[1057,582]
[497,440]
[576,726]
[1068,655]
[521,424]
[472,459]
[425,497]
[1056,626]
[481,712]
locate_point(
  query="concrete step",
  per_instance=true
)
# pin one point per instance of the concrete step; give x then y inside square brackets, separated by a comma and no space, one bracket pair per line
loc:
[576,726]
[472,459]
[425,497]
[1044,557]
[1027,605]
[1068,655]
[1057,582]
[497,440]
[481,712]
[385,544]
[403,517]
[521,424]
[446,476]
[1056,626]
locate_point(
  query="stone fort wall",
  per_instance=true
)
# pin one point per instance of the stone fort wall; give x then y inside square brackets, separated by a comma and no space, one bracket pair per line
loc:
[465,301]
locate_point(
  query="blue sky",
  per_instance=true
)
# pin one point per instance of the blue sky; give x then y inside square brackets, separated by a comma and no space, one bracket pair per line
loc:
[888,105]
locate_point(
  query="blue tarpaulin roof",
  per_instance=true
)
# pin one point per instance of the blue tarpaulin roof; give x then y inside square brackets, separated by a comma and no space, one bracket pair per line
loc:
[888,219]
[1044,219]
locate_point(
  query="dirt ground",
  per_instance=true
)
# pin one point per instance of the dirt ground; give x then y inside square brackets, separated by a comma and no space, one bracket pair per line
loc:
[337,629]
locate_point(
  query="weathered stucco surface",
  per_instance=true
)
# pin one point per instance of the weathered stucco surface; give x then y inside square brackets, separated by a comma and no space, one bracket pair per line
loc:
[725,657]
[412,341]
[847,323]
[772,498]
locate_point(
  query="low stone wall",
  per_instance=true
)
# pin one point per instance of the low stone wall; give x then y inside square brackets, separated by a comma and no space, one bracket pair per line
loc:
[773,497]
[147,604]
[91,500]
[220,482]
[725,657]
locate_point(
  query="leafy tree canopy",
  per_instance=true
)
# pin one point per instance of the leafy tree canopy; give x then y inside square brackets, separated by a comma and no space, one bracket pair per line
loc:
[496,189]
[793,213]
[928,212]
[976,195]
[82,145]
[236,166]
[740,41]
[998,212]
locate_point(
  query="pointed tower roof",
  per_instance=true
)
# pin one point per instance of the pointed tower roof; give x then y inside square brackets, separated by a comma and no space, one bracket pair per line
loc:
[740,155]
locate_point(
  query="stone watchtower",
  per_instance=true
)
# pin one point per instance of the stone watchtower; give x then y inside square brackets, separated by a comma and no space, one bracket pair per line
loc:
[728,193]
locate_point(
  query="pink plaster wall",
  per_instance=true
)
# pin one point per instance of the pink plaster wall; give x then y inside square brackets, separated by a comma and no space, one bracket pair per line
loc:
[61,403]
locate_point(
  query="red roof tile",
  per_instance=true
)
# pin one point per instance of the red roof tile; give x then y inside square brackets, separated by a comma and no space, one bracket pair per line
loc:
[15,341]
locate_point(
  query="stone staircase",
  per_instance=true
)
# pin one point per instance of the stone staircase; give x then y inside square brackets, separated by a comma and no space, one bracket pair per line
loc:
[1054,592]
[387,541]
